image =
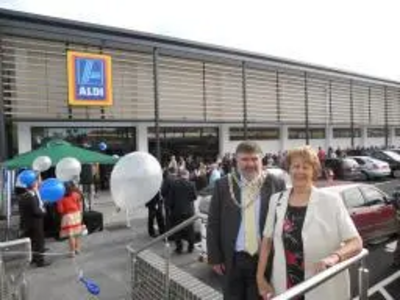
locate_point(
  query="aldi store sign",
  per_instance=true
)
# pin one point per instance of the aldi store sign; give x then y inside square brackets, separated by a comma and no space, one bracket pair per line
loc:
[89,79]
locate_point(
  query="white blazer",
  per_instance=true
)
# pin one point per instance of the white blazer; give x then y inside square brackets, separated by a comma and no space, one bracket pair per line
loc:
[327,224]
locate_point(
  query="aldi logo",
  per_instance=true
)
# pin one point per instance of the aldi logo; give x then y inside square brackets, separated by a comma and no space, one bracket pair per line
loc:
[89,79]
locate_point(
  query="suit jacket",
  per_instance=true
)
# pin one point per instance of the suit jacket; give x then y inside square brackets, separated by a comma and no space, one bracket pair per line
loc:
[327,224]
[180,198]
[31,213]
[156,200]
[224,218]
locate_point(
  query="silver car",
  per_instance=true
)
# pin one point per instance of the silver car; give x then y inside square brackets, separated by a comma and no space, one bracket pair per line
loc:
[372,167]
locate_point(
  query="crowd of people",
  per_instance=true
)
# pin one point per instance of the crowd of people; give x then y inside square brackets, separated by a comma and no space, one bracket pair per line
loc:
[204,174]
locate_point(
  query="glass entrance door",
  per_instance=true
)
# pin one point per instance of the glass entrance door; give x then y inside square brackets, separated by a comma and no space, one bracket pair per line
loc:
[202,143]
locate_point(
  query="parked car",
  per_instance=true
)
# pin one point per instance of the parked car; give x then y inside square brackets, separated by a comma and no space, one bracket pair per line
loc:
[370,208]
[344,168]
[391,157]
[372,167]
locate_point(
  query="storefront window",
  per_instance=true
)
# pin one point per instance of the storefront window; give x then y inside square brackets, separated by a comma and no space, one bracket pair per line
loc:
[119,140]
[346,133]
[254,133]
[376,132]
[300,133]
[199,142]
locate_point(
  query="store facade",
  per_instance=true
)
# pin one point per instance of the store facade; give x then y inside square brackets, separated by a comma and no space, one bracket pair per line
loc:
[90,84]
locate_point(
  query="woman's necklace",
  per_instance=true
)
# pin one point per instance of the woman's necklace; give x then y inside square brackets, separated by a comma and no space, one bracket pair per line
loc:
[254,185]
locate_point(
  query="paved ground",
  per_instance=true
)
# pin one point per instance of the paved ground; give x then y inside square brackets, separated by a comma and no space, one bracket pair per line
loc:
[105,260]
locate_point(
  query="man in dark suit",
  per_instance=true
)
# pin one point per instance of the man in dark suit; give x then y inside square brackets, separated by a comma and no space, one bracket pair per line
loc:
[32,213]
[155,207]
[181,196]
[236,221]
[169,177]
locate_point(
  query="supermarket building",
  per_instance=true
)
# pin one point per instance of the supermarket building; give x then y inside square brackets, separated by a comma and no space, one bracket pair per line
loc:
[88,83]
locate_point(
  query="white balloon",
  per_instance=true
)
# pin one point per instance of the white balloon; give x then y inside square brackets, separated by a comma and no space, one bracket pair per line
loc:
[116,156]
[68,169]
[135,179]
[41,164]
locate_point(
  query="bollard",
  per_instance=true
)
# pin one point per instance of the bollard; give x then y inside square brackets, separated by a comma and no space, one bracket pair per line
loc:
[167,267]
[24,288]
[363,280]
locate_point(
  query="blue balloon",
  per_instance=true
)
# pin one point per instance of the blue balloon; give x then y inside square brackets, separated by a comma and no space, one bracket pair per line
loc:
[103,146]
[52,190]
[27,177]
[91,286]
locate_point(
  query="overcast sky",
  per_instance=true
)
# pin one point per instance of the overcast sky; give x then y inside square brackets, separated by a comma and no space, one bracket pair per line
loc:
[354,35]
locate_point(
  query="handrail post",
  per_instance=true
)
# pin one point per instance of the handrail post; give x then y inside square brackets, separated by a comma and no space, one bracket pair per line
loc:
[24,288]
[133,274]
[363,280]
[167,249]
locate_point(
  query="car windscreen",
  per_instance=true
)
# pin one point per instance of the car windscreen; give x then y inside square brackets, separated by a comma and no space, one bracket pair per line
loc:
[392,155]
[349,163]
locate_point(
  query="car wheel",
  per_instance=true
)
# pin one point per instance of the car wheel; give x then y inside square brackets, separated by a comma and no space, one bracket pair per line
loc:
[365,176]
[396,173]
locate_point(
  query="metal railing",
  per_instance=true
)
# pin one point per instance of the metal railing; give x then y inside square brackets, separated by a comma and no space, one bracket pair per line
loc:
[15,257]
[317,280]
[162,238]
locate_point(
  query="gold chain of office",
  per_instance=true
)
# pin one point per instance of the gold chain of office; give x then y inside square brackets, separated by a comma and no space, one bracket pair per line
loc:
[254,185]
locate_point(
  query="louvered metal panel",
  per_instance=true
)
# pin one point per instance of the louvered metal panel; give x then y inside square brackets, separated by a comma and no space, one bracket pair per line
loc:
[340,102]
[377,105]
[393,98]
[35,82]
[33,85]
[292,98]
[224,93]
[181,89]
[132,85]
[261,88]
[318,100]
[361,105]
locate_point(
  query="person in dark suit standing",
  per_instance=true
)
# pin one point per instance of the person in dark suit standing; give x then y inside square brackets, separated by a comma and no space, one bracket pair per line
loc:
[155,207]
[169,178]
[32,213]
[181,196]
[236,220]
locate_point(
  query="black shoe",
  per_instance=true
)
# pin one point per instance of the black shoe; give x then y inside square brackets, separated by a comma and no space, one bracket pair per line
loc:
[178,251]
[42,264]
[396,265]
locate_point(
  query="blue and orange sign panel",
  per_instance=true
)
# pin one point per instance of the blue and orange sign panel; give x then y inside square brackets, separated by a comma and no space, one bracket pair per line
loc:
[89,79]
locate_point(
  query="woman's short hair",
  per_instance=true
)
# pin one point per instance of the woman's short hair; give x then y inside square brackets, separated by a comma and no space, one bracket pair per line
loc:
[309,156]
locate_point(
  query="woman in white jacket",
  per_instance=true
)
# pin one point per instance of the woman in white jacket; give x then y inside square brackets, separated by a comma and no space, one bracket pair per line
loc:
[310,230]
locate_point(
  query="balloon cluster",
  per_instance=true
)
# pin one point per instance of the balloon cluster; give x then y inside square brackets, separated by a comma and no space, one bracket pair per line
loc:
[51,190]
[135,179]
